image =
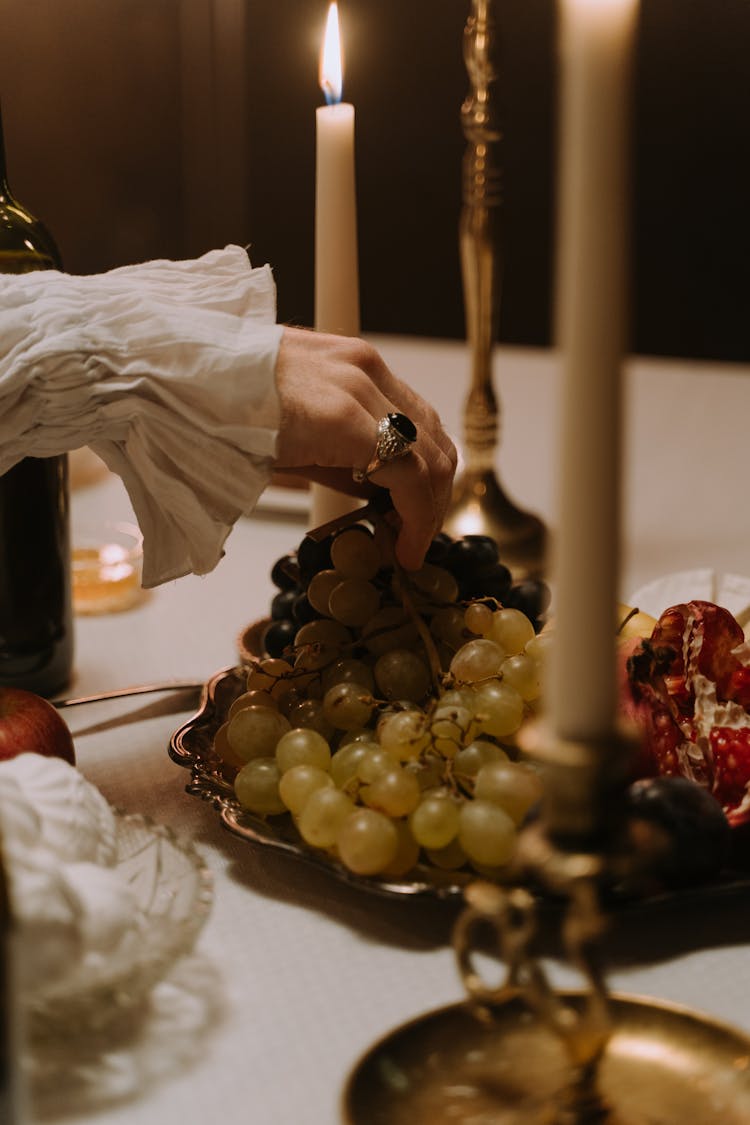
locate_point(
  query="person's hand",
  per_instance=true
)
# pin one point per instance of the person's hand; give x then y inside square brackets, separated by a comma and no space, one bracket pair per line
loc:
[333,392]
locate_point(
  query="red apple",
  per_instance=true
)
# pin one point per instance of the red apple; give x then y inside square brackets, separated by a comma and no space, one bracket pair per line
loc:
[30,724]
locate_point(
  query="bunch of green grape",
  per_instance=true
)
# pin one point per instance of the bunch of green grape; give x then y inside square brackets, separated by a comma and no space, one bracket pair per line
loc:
[385,726]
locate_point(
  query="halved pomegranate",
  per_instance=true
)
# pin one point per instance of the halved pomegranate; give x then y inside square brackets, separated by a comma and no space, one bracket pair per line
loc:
[687,687]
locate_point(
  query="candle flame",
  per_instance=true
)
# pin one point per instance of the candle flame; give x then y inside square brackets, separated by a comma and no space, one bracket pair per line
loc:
[331,62]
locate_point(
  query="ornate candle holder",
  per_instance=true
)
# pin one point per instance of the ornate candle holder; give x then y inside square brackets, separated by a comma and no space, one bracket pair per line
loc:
[480,506]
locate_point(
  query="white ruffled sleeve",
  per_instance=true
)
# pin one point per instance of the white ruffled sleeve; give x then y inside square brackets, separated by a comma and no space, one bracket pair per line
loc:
[166,370]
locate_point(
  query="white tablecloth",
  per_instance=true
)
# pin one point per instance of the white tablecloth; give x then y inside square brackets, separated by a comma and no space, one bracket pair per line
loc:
[294,975]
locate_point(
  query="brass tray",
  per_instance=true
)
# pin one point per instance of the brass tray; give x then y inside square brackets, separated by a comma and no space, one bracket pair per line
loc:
[663,1065]
[191,747]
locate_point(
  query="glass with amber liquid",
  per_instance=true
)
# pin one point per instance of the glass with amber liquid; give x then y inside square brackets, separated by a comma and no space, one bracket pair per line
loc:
[36,627]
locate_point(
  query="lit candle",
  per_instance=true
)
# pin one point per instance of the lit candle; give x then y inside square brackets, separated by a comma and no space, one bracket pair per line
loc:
[336,260]
[596,53]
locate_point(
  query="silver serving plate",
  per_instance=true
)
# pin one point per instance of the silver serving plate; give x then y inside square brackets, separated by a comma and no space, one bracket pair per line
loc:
[192,747]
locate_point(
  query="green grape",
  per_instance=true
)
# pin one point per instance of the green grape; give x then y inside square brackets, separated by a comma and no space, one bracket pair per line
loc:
[451,728]
[404,733]
[499,709]
[307,664]
[434,583]
[477,660]
[250,698]
[468,761]
[324,632]
[320,588]
[324,812]
[224,750]
[355,553]
[257,787]
[374,763]
[522,673]
[390,628]
[358,734]
[274,678]
[299,782]
[302,746]
[367,841]
[402,674]
[254,731]
[511,629]
[539,648]
[513,787]
[309,713]
[434,822]
[348,670]
[348,706]
[449,858]
[407,852]
[354,602]
[395,707]
[395,793]
[448,625]
[486,833]
[464,696]
[345,762]
[265,675]
[478,619]
[430,773]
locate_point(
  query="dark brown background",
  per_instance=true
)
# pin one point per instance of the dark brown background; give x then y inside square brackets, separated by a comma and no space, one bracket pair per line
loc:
[142,128]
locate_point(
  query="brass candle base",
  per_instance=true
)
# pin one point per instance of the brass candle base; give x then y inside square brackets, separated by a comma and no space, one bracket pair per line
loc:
[481,507]
[664,1065]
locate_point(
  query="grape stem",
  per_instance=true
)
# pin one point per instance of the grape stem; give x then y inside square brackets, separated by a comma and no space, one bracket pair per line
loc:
[436,672]
[378,506]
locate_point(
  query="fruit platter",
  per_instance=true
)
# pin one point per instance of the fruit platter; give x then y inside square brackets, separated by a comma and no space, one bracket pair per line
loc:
[373,726]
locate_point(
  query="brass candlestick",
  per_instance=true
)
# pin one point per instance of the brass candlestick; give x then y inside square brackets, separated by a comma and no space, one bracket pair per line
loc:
[479,504]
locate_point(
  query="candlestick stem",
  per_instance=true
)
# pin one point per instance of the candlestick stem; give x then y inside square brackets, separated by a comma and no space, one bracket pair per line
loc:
[479,503]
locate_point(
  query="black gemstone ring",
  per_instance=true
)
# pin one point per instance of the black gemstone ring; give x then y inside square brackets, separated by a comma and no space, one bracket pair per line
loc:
[396,435]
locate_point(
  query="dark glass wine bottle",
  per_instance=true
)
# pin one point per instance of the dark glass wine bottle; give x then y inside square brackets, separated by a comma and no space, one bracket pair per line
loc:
[36,627]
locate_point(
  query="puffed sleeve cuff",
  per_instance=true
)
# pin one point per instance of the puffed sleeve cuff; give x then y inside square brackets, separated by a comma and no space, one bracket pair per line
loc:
[166,370]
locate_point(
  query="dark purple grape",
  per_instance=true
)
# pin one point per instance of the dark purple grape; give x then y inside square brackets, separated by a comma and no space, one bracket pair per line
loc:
[285,573]
[472,555]
[283,604]
[313,555]
[437,551]
[532,597]
[277,636]
[493,583]
[678,829]
[302,611]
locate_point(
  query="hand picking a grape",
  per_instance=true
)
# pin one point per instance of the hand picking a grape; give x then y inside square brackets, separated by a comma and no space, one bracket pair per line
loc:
[333,392]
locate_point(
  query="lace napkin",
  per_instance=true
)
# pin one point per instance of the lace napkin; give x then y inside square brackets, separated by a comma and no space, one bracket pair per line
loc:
[166,370]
